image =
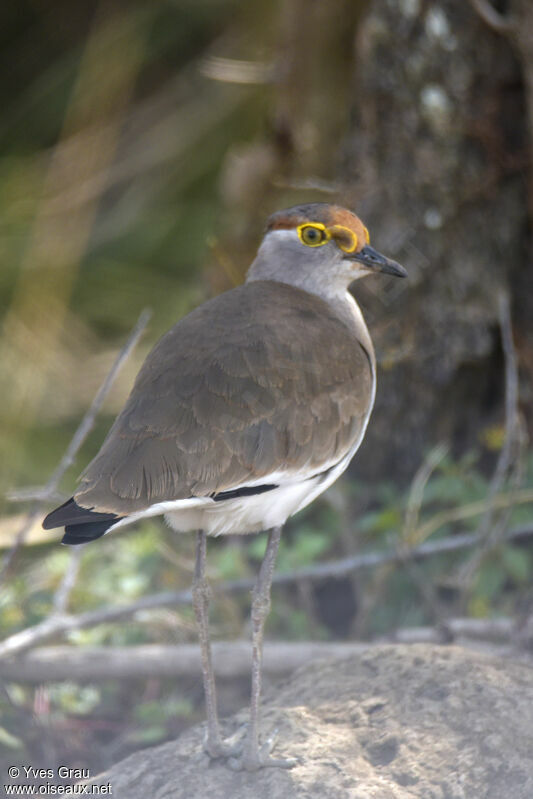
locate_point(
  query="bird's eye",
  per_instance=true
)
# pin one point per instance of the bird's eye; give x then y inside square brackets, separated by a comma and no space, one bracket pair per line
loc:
[312,235]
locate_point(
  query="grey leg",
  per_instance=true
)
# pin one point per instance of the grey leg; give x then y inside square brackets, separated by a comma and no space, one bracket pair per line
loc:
[253,757]
[214,745]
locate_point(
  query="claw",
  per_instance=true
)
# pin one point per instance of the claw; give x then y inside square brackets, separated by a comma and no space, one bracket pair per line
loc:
[269,744]
[257,760]
[217,747]
[251,760]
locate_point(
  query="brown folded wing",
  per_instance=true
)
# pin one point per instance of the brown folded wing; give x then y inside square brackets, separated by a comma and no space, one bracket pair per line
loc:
[260,379]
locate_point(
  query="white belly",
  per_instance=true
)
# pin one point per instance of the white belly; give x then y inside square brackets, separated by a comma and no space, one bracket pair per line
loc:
[256,512]
[247,514]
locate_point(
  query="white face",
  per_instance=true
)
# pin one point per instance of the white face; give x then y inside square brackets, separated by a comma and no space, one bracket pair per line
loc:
[324,269]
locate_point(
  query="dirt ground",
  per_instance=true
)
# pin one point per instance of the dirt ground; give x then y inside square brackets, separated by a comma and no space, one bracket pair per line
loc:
[398,722]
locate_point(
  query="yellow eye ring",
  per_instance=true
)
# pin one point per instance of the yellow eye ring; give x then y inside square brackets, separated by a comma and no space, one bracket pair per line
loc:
[313,235]
[345,238]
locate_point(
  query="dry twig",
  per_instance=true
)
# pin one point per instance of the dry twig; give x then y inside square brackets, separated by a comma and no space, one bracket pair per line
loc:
[509,465]
[77,440]
[231,658]
[62,595]
[416,493]
[405,542]
[60,625]
[495,21]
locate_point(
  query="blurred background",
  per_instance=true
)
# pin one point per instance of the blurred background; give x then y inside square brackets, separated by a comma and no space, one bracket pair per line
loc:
[143,145]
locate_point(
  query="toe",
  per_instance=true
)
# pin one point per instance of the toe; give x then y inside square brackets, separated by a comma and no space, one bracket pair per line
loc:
[253,761]
[216,747]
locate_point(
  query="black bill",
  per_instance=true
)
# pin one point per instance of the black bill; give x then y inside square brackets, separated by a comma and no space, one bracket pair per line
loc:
[374,260]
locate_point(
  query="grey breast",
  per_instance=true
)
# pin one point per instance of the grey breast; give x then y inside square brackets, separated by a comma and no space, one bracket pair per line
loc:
[262,378]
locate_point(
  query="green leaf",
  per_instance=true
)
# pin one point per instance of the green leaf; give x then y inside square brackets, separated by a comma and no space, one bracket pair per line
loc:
[491,577]
[9,740]
[517,563]
[148,735]
[229,563]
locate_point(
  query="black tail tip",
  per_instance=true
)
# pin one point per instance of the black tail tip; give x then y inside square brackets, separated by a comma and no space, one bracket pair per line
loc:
[81,524]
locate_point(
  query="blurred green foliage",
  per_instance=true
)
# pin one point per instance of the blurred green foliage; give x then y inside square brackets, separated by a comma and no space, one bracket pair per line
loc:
[130,565]
[109,202]
[145,221]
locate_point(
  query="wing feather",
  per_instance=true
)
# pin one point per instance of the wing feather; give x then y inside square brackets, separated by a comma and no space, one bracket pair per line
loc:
[260,377]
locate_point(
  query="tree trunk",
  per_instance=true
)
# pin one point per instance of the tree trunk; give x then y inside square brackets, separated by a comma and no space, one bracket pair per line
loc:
[437,157]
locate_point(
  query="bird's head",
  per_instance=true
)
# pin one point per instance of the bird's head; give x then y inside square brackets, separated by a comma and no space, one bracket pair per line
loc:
[319,247]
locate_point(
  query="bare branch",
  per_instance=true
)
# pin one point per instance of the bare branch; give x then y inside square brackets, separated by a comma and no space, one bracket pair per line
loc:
[77,440]
[60,625]
[231,658]
[232,70]
[68,582]
[403,545]
[31,493]
[307,184]
[522,497]
[416,493]
[508,466]
[500,630]
[511,391]
[495,21]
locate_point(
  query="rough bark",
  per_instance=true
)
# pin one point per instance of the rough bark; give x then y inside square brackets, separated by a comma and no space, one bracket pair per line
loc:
[397,722]
[438,161]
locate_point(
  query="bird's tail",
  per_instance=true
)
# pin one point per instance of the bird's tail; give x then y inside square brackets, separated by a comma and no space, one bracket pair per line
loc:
[81,524]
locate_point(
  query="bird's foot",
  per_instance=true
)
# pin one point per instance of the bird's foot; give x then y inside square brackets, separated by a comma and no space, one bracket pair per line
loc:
[216,747]
[253,758]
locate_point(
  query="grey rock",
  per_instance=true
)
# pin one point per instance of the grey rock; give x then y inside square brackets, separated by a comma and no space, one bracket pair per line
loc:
[398,722]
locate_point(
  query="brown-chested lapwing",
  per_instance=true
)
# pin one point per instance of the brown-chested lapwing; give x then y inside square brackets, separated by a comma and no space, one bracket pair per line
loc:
[243,413]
